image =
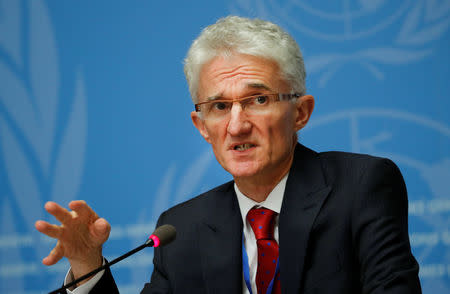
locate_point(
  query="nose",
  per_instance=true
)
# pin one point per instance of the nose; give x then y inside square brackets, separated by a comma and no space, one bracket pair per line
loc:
[238,124]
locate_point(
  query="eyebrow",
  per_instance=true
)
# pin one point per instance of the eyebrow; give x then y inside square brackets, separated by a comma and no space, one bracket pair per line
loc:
[258,86]
[248,86]
[215,97]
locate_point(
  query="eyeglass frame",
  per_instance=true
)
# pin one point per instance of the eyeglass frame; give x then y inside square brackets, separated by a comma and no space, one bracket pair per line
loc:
[280,97]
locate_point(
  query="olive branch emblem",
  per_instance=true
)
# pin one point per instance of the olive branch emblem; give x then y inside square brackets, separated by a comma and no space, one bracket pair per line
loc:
[41,148]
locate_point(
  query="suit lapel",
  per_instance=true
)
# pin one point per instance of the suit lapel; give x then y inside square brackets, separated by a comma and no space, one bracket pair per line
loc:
[220,236]
[306,191]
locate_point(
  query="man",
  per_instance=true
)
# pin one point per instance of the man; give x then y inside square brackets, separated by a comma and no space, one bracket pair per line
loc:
[292,220]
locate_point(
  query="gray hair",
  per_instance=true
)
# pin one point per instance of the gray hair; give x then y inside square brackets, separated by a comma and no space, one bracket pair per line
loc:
[255,37]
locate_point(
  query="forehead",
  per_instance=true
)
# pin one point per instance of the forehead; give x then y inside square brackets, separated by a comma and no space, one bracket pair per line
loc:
[235,75]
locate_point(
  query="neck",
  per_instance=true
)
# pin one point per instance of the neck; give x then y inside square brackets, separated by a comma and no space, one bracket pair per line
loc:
[258,187]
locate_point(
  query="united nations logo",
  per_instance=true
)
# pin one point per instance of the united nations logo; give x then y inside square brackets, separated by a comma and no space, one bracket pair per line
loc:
[413,26]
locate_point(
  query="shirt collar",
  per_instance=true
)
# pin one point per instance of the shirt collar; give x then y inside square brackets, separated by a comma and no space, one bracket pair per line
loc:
[272,202]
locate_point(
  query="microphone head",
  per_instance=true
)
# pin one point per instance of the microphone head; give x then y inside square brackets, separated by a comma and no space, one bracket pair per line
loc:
[163,235]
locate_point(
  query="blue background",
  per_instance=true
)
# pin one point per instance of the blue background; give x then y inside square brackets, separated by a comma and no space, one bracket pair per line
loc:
[94,106]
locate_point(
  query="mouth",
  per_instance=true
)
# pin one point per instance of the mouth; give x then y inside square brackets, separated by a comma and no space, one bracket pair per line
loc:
[243,147]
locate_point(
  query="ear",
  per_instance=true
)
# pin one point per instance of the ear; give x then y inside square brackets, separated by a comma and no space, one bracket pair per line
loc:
[304,107]
[200,125]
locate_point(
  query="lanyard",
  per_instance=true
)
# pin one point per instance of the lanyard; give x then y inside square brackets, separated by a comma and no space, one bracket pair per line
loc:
[246,270]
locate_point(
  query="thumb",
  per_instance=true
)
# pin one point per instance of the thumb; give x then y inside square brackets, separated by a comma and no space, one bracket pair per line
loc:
[101,230]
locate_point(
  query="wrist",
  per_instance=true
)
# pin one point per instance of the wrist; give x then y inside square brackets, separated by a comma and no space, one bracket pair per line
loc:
[81,268]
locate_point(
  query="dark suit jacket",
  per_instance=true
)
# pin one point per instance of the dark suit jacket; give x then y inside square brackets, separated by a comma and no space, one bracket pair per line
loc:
[343,228]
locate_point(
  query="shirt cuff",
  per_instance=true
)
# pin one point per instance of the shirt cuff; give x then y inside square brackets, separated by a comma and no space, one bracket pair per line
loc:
[86,287]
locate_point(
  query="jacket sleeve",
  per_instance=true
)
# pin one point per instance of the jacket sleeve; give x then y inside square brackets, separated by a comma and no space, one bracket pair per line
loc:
[106,284]
[380,232]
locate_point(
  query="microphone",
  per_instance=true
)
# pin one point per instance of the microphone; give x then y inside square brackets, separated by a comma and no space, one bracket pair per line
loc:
[163,235]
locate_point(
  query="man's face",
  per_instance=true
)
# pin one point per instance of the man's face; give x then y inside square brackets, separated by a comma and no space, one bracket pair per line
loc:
[248,145]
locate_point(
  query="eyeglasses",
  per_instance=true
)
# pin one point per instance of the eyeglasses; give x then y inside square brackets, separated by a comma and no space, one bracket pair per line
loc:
[256,104]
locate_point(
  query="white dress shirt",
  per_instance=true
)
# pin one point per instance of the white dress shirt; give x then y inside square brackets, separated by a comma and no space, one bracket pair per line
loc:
[272,202]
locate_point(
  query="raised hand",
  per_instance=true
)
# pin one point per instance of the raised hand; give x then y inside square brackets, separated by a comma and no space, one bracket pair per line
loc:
[80,236]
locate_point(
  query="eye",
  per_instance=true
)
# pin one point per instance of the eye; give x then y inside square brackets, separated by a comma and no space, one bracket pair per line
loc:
[260,100]
[219,106]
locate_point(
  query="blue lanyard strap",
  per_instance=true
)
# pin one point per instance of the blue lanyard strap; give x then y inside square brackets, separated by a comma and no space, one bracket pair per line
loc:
[246,269]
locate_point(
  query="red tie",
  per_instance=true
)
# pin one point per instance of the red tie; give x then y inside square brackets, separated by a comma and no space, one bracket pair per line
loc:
[262,221]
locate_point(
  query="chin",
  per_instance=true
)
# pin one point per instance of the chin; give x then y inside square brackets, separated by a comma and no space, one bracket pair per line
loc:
[243,170]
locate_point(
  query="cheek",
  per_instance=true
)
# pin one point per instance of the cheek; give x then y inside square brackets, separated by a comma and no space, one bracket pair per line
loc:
[282,131]
[215,134]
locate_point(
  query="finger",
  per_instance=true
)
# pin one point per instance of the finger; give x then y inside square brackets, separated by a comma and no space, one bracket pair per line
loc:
[83,209]
[59,212]
[50,230]
[55,255]
[100,231]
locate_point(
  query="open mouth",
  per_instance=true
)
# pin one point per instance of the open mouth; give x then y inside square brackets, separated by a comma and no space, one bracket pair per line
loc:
[243,147]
